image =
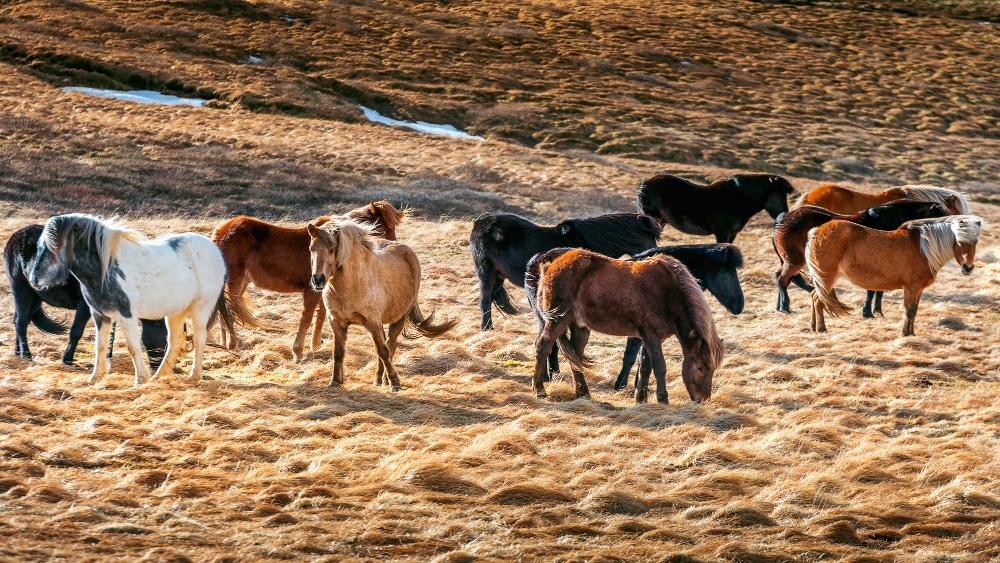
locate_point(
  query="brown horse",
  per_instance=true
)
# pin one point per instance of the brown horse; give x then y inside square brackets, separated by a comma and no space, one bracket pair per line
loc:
[652,299]
[362,285]
[844,201]
[908,258]
[277,259]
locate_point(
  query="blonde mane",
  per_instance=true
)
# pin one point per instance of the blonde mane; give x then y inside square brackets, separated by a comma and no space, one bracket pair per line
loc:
[104,234]
[935,194]
[938,236]
[348,234]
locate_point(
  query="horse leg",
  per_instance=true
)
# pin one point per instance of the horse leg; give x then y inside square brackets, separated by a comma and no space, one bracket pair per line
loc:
[309,300]
[339,345]
[130,330]
[395,330]
[103,324]
[380,371]
[199,329]
[866,310]
[76,331]
[642,379]
[553,363]
[580,337]
[878,303]
[818,322]
[725,236]
[632,347]
[236,286]
[154,340]
[911,298]
[317,339]
[378,336]
[175,343]
[654,350]
[487,281]
[547,336]
[22,317]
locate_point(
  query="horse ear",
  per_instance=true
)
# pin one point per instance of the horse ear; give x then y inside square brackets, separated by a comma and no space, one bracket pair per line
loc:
[952,201]
[312,230]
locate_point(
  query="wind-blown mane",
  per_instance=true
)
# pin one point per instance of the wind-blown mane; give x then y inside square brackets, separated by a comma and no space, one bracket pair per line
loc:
[103,234]
[939,235]
[701,315]
[348,234]
[937,195]
[609,235]
[756,189]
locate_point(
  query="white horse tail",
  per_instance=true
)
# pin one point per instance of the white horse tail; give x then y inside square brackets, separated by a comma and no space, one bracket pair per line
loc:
[826,294]
[425,326]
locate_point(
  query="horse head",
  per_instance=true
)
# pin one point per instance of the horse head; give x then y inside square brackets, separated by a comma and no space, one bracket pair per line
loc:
[777,189]
[967,230]
[699,366]
[54,253]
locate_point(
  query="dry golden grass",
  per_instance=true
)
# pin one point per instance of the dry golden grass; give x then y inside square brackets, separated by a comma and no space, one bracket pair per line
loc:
[856,445]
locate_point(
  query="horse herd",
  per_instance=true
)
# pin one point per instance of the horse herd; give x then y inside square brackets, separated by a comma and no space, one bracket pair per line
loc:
[572,274]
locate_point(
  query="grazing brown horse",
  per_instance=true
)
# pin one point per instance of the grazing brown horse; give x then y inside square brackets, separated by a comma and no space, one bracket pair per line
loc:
[845,201]
[367,286]
[277,259]
[791,232]
[652,299]
[908,258]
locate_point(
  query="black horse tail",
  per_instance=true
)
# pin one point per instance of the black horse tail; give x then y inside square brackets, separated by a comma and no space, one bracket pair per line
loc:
[569,350]
[425,325]
[224,313]
[502,300]
[45,324]
[800,281]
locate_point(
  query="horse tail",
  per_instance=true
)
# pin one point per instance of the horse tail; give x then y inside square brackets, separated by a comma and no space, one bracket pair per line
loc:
[425,325]
[568,349]
[700,313]
[46,324]
[241,312]
[502,300]
[224,312]
[823,292]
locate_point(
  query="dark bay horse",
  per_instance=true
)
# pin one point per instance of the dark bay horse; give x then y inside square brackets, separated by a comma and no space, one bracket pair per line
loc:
[277,259]
[502,245]
[714,267]
[907,258]
[652,299]
[721,209]
[20,250]
[791,231]
[839,199]
[370,286]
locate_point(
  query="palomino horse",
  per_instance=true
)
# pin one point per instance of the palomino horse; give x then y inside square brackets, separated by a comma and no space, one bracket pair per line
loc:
[362,285]
[791,231]
[907,258]
[277,259]
[721,209]
[502,245]
[125,277]
[579,291]
[846,201]
[17,254]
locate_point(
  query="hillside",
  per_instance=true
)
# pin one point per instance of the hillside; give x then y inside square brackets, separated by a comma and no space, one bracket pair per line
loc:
[856,445]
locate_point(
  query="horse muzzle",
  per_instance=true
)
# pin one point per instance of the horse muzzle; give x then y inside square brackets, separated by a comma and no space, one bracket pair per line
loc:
[318,281]
[967,269]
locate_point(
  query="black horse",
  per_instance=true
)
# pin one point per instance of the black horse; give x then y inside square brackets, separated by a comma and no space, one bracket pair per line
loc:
[791,231]
[721,209]
[502,245]
[712,265]
[20,249]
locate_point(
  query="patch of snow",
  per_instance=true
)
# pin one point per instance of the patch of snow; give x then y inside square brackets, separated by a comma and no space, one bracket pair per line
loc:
[288,19]
[255,60]
[140,96]
[423,127]
[685,63]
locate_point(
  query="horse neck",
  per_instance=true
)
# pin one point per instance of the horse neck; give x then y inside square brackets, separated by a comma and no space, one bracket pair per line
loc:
[357,267]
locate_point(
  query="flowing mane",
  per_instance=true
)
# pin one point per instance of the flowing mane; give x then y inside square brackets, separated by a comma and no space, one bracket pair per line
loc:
[939,235]
[701,315]
[937,195]
[104,234]
[349,233]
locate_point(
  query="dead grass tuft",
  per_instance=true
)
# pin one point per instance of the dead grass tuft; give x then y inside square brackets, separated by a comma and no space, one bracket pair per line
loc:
[529,493]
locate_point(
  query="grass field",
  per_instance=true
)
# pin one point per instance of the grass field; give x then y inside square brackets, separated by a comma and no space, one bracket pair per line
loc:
[854,445]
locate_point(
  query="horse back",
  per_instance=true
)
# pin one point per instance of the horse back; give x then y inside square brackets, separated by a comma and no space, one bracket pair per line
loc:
[871,258]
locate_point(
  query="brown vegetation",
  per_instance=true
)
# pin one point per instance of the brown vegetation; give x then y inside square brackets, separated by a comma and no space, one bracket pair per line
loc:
[855,445]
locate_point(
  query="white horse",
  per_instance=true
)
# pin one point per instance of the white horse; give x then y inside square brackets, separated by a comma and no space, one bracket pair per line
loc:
[125,277]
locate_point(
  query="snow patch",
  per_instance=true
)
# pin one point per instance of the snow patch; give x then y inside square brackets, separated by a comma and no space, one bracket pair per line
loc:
[140,96]
[423,127]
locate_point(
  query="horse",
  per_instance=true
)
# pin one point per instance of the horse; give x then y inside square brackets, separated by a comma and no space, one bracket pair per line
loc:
[721,209]
[124,276]
[791,231]
[712,265]
[367,286]
[502,245]
[651,299]
[17,254]
[277,259]
[841,200]
[908,258]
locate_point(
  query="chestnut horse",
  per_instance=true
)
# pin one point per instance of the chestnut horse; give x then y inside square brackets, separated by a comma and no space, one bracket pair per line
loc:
[845,201]
[367,286]
[907,258]
[791,231]
[652,299]
[277,259]
[721,209]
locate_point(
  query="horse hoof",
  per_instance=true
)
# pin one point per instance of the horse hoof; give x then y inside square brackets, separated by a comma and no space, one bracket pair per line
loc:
[395,388]
[541,394]
[867,315]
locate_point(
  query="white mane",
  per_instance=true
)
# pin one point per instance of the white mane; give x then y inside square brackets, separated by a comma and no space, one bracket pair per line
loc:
[939,235]
[923,192]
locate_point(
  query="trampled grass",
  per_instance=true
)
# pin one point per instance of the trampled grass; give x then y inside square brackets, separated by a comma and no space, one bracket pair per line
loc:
[856,445]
